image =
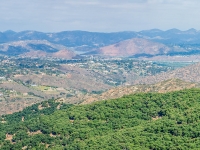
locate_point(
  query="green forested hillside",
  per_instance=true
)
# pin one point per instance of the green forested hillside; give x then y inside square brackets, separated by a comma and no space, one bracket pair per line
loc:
[140,121]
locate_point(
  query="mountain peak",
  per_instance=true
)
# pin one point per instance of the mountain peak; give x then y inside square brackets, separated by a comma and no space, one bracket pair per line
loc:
[174,30]
[151,31]
[133,47]
[9,32]
[191,31]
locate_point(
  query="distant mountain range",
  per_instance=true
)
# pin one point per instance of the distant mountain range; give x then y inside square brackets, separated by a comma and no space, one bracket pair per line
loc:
[128,43]
[36,48]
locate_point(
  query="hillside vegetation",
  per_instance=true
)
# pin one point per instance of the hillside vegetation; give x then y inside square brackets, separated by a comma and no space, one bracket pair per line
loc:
[139,121]
[188,73]
[160,87]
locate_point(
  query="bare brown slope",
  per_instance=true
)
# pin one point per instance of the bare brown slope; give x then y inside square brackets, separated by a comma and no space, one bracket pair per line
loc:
[161,87]
[73,77]
[36,48]
[134,46]
[189,73]
[67,54]
[64,54]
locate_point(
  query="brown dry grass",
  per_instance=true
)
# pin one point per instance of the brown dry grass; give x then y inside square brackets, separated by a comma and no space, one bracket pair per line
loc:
[132,47]
[189,73]
[161,87]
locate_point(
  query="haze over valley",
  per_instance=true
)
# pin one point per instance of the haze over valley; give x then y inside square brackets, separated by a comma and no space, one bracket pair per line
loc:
[76,65]
[99,75]
[71,44]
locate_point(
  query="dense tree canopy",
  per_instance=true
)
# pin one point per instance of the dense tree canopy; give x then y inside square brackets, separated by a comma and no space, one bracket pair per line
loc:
[140,121]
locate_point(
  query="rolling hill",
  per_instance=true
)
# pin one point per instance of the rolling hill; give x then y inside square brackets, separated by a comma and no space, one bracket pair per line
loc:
[160,87]
[135,47]
[36,48]
[43,87]
[189,73]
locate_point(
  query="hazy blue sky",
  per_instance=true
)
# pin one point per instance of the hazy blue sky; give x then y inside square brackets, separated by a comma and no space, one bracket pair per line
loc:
[98,15]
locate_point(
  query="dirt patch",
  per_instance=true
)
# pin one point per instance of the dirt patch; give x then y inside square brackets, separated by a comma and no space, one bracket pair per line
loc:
[72,121]
[40,106]
[34,133]
[156,118]
[9,137]
[52,135]
[22,118]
